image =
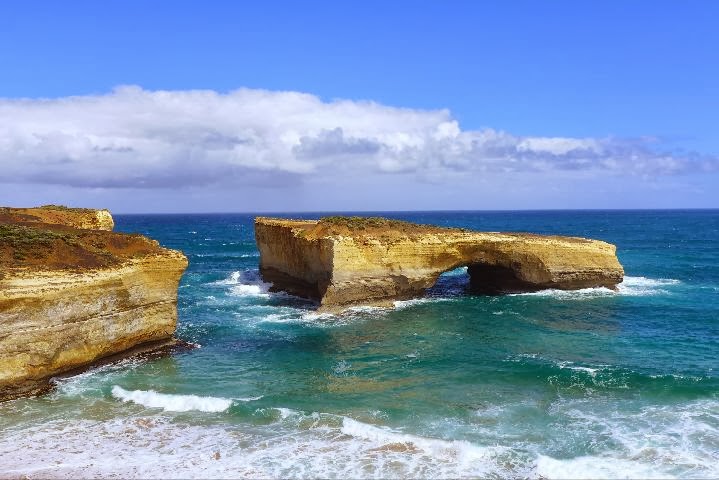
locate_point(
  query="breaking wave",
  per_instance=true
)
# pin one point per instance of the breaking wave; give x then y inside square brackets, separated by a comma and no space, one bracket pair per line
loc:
[171,402]
[246,283]
[299,445]
[630,287]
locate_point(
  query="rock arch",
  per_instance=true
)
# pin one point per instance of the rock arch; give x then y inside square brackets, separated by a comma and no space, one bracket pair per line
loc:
[344,261]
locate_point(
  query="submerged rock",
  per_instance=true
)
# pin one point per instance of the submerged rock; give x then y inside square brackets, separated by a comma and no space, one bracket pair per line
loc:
[70,297]
[345,261]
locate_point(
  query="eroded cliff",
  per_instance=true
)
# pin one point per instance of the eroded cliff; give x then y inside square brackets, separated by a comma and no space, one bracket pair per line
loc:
[343,261]
[70,297]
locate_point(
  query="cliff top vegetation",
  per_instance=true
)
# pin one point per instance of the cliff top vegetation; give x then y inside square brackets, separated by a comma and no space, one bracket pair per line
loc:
[48,247]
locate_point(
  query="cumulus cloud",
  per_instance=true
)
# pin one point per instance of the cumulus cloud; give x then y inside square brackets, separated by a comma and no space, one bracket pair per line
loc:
[137,138]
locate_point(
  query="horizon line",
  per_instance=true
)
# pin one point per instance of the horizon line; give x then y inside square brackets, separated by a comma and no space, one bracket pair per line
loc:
[528,210]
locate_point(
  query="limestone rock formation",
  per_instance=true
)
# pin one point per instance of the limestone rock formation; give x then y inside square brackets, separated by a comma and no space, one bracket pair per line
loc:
[344,261]
[84,218]
[70,297]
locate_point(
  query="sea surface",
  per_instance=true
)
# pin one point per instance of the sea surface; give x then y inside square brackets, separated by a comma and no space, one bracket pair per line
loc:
[584,384]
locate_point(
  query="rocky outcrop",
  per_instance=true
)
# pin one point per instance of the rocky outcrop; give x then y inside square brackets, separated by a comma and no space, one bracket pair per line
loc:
[71,297]
[343,261]
[84,218]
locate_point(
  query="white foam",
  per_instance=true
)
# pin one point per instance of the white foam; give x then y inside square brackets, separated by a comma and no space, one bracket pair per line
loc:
[592,467]
[592,371]
[461,452]
[289,315]
[654,441]
[246,284]
[298,446]
[232,279]
[171,402]
[589,370]
[248,399]
[630,287]
[400,304]
[365,309]
[675,440]
[228,255]
[314,316]
[287,412]
[86,382]
[280,318]
[342,367]
[649,282]
[578,368]
[642,286]
[243,290]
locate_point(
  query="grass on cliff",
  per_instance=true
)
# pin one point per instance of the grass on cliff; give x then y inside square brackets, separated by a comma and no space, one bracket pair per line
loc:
[59,208]
[385,229]
[42,246]
[364,223]
[63,208]
[25,241]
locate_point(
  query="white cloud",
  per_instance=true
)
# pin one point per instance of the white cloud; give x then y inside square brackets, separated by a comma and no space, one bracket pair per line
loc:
[137,138]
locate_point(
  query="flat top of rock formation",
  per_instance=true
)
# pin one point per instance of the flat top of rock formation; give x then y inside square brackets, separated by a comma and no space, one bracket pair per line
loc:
[40,246]
[54,237]
[388,229]
[56,214]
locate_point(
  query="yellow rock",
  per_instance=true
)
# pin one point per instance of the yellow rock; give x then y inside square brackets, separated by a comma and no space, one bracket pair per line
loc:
[344,261]
[71,297]
[84,218]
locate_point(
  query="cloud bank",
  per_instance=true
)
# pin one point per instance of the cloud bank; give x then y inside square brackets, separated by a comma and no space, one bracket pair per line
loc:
[134,138]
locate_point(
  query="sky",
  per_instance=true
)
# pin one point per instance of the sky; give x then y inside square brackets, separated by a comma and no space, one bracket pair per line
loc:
[172,106]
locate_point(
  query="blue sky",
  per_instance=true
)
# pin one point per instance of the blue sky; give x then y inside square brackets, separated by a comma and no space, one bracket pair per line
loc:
[539,105]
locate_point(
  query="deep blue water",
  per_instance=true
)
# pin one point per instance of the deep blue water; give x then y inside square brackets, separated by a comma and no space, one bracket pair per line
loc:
[590,383]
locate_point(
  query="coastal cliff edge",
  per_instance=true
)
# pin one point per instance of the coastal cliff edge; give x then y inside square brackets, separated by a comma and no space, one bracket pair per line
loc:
[72,293]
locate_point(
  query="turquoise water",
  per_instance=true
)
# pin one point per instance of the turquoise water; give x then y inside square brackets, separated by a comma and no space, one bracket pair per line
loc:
[554,384]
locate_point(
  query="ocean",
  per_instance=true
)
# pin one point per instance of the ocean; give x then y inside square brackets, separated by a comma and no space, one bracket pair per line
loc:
[584,384]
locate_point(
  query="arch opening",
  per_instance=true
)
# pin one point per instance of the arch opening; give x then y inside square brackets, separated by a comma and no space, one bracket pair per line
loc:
[480,279]
[454,282]
[486,279]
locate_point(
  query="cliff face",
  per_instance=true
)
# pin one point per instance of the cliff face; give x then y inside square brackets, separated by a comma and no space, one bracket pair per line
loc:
[344,261]
[70,297]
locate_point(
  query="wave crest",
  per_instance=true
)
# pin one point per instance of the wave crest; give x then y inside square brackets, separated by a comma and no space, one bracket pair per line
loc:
[171,402]
[247,283]
[630,287]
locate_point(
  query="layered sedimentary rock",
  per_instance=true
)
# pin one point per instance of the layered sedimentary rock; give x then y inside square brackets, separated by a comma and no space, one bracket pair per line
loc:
[70,297]
[343,261]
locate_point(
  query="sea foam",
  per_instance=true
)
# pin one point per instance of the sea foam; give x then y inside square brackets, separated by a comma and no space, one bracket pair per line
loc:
[323,445]
[298,446]
[171,402]
[460,451]
[630,287]
[591,467]
[401,304]
[246,284]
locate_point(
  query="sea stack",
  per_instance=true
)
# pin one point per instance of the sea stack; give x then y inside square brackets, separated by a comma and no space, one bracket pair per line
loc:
[346,261]
[73,293]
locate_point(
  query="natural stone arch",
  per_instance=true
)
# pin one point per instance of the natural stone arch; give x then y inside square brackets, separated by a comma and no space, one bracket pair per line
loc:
[345,261]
